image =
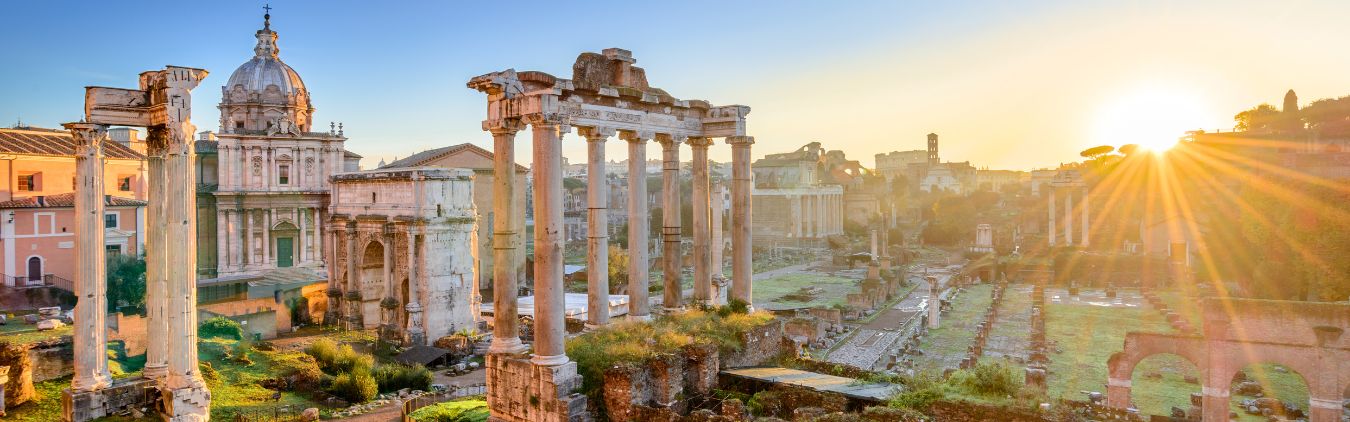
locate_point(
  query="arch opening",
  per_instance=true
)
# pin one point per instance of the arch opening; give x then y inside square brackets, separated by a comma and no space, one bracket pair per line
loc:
[1260,386]
[372,282]
[1163,381]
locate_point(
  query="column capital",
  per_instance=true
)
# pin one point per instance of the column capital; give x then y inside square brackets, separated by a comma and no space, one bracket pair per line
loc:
[503,126]
[595,134]
[539,120]
[740,141]
[88,137]
[156,141]
[668,142]
[699,142]
[636,136]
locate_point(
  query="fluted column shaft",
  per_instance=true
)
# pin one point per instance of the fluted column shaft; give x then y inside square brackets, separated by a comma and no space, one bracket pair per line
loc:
[718,206]
[549,329]
[505,244]
[701,204]
[1052,208]
[639,225]
[156,263]
[597,241]
[742,186]
[670,222]
[91,363]
[180,212]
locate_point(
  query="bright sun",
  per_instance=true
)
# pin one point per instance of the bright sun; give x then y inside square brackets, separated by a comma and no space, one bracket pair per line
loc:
[1154,119]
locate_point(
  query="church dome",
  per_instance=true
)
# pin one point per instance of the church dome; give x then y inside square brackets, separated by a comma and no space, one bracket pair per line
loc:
[266,68]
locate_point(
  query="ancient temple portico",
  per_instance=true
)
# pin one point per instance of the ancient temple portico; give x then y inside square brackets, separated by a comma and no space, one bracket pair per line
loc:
[163,105]
[1067,184]
[606,95]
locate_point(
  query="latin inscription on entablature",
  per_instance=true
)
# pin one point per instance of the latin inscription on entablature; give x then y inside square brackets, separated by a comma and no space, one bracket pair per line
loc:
[587,114]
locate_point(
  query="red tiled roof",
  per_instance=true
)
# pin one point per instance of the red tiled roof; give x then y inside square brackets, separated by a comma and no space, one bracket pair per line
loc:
[52,142]
[425,157]
[66,200]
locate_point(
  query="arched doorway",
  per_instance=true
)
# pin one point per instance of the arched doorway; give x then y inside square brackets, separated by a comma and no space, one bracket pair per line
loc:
[284,236]
[1163,381]
[1271,381]
[34,269]
[372,282]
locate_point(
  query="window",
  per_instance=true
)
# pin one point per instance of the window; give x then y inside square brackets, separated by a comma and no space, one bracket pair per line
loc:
[29,182]
[124,183]
[284,174]
[110,220]
[239,125]
[111,250]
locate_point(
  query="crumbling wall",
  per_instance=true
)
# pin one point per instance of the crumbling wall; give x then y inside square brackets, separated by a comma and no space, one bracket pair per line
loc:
[758,345]
[19,389]
[662,387]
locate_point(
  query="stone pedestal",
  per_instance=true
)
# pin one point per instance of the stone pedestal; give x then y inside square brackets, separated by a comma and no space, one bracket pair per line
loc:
[135,393]
[520,391]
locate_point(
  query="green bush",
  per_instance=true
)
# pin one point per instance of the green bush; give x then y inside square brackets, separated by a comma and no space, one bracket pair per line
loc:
[466,410]
[920,392]
[355,387]
[296,371]
[398,376]
[221,327]
[208,372]
[335,359]
[995,379]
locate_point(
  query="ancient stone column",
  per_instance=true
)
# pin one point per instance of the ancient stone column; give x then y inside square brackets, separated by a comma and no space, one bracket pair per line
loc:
[1053,206]
[549,329]
[701,204]
[353,296]
[416,334]
[597,236]
[672,294]
[156,263]
[91,363]
[1084,241]
[1068,218]
[934,302]
[639,224]
[873,235]
[741,189]
[505,245]
[222,245]
[718,206]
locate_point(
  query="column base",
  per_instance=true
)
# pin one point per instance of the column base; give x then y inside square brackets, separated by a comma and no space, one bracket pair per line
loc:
[187,404]
[511,345]
[81,406]
[519,390]
[549,360]
[642,318]
[156,372]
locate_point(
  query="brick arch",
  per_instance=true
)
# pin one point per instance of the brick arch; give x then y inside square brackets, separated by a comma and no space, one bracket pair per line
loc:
[1140,346]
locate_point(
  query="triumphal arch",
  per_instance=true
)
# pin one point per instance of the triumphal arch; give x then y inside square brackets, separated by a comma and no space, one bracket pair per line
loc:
[607,95]
[163,105]
[1306,337]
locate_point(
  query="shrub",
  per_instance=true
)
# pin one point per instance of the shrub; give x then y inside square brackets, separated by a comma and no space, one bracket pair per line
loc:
[920,392]
[221,327]
[398,376]
[466,410]
[355,387]
[335,359]
[240,353]
[988,379]
[296,371]
[208,372]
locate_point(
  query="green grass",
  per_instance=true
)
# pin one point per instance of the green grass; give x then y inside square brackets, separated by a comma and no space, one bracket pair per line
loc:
[1157,396]
[1087,336]
[45,407]
[1185,305]
[1014,322]
[17,332]
[836,290]
[956,329]
[237,388]
[469,409]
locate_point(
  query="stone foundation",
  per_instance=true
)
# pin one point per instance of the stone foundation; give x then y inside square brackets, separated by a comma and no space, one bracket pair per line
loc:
[662,385]
[760,344]
[122,396]
[520,391]
[187,404]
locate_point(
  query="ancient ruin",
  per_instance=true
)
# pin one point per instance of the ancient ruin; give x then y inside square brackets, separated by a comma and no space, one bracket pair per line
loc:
[163,105]
[1305,337]
[606,95]
[384,225]
[1067,183]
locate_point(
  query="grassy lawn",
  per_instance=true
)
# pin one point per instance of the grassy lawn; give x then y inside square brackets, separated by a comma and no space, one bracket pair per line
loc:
[1087,336]
[1183,304]
[16,332]
[1011,333]
[236,387]
[784,291]
[946,345]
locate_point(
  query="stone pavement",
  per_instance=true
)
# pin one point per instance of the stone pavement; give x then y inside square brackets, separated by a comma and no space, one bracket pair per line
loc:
[874,340]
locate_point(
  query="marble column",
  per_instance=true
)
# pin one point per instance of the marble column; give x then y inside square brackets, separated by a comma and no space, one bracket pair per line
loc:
[1068,217]
[156,276]
[505,246]
[549,329]
[742,186]
[1052,208]
[416,334]
[269,258]
[597,218]
[355,320]
[246,216]
[718,208]
[702,204]
[639,224]
[315,255]
[672,294]
[91,363]
[1084,241]
[222,242]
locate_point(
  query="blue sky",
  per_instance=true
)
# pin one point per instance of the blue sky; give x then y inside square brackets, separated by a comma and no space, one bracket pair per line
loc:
[1007,85]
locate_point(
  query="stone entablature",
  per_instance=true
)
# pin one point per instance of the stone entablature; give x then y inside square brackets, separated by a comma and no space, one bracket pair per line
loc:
[383,225]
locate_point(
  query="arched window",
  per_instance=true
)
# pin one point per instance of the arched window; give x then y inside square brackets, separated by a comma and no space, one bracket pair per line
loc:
[35,269]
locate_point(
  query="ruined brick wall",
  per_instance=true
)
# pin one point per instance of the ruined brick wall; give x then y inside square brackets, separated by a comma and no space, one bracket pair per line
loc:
[52,359]
[760,344]
[970,412]
[660,386]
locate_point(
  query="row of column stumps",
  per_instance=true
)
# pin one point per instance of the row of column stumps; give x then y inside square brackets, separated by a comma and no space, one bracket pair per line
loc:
[549,307]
